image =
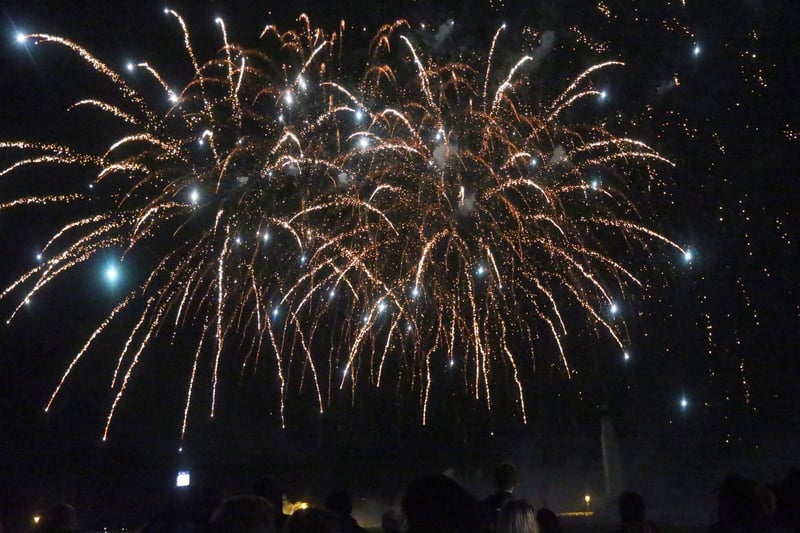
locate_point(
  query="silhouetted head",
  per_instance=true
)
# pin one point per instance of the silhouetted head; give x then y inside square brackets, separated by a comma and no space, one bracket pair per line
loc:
[244,514]
[548,521]
[60,517]
[269,489]
[517,516]
[631,507]
[311,520]
[505,476]
[437,504]
[339,502]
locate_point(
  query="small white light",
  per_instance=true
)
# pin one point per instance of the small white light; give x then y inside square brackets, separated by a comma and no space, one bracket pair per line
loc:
[275,312]
[303,259]
[595,184]
[301,81]
[614,309]
[415,291]
[218,20]
[480,270]
[20,37]
[112,274]
[91,185]
[409,328]
[331,293]
[696,50]
[684,403]
[266,236]
[363,143]
[452,363]
[238,240]
[288,98]
[439,135]
[382,307]
[38,257]
[280,118]
[534,162]
[166,10]
[603,95]
[626,356]
[687,256]
[129,66]
[359,115]
[173,97]
[194,196]
[183,479]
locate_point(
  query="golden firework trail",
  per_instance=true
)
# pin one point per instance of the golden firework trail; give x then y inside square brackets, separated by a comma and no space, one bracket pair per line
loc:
[342,229]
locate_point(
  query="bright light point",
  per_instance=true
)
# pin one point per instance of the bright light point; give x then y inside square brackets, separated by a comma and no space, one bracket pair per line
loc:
[280,118]
[218,20]
[534,162]
[129,66]
[303,259]
[91,185]
[684,403]
[365,319]
[166,11]
[266,237]
[274,312]
[415,292]
[363,143]
[20,37]
[180,449]
[696,50]
[27,301]
[503,26]
[452,363]
[200,141]
[382,307]
[183,479]
[595,184]
[439,135]
[359,115]
[194,196]
[687,256]
[480,270]
[626,356]
[288,98]
[173,97]
[301,81]
[614,309]
[603,95]
[112,273]
[38,257]
[331,293]
[238,240]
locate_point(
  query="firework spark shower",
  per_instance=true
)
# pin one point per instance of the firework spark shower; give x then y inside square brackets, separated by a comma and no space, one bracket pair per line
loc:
[336,227]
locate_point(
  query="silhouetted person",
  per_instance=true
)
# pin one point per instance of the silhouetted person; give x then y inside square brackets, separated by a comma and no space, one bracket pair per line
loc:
[269,489]
[741,506]
[312,520]
[340,504]
[437,504]
[548,521]
[60,518]
[505,479]
[244,514]
[391,522]
[788,493]
[632,514]
[517,516]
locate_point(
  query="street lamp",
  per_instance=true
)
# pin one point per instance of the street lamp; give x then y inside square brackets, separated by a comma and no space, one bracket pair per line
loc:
[588,500]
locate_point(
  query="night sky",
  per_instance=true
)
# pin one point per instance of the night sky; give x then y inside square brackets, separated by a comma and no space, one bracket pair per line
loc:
[710,382]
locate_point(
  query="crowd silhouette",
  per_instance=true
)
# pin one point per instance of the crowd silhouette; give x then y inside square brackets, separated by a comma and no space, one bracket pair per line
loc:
[437,503]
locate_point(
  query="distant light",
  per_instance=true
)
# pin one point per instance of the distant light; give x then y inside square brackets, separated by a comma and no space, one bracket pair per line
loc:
[20,37]
[183,479]
[614,309]
[38,257]
[238,240]
[275,312]
[439,135]
[301,81]
[194,196]
[91,185]
[218,20]
[587,499]
[626,356]
[534,162]
[359,115]
[112,273]
[451,22]
[480,270]
[595,184]
[173,97]
[503,26]
[331,293]
[603,94]
[280,118]
[303,259]
[166,10]
[266,236]
[696,50]
[129,66]
[452,363]
[684,403]
[687,256]
[180,449]
[288,98]
[363,143]
[382,307]
[409,328]
[36,519]
[415,291]
[27,301]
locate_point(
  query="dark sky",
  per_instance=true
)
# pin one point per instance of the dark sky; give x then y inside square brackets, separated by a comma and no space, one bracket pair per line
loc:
[721,332]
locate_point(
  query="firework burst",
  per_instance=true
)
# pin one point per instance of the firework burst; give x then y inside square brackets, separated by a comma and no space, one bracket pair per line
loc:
[348,230]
